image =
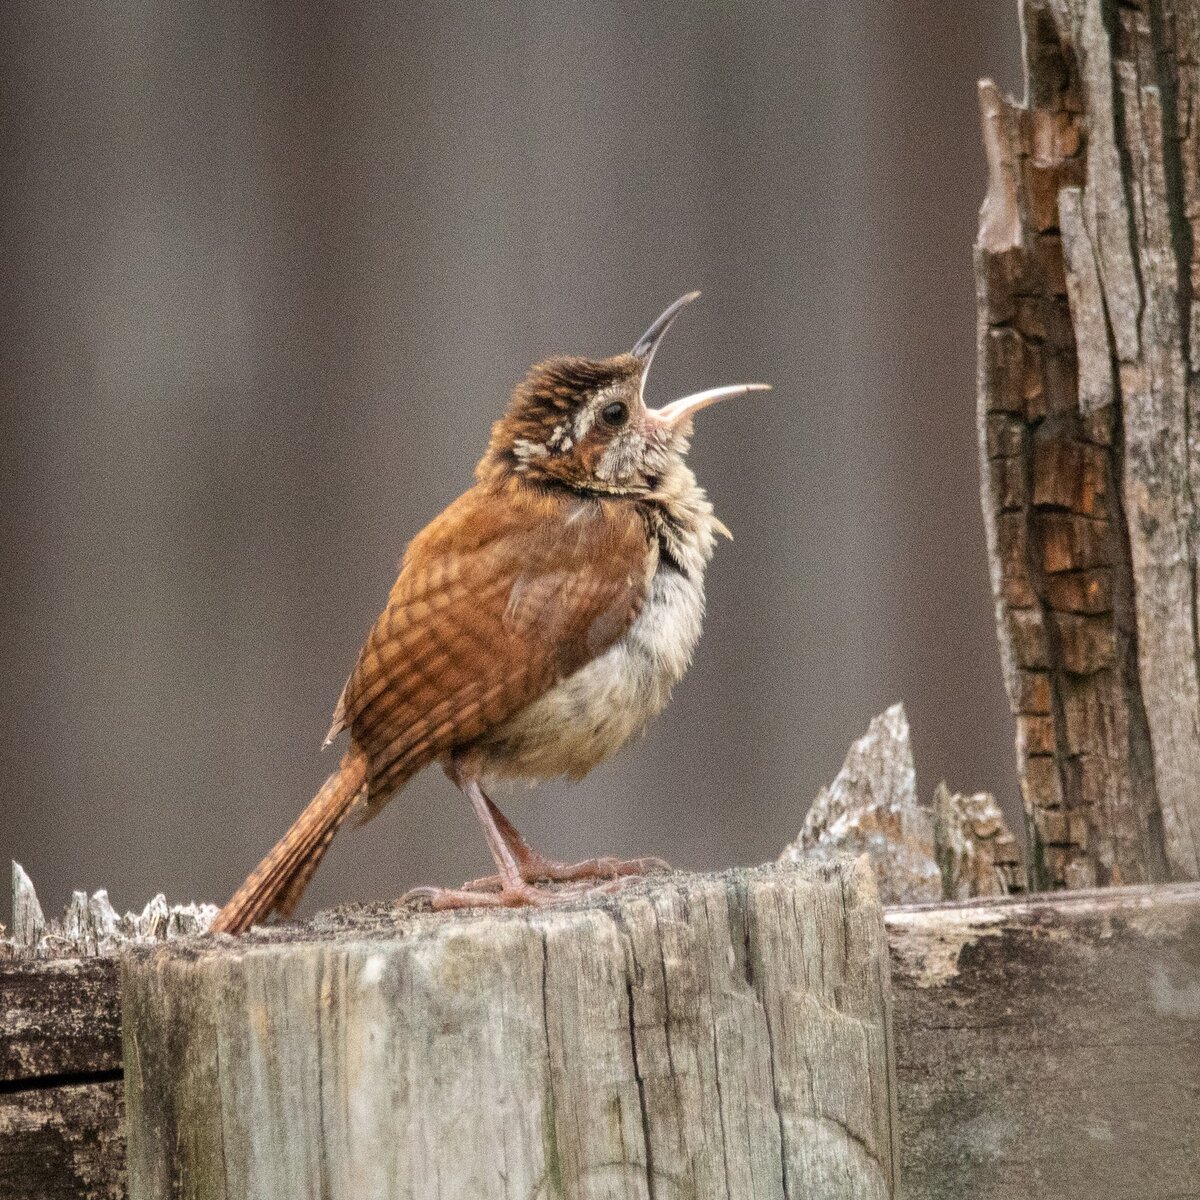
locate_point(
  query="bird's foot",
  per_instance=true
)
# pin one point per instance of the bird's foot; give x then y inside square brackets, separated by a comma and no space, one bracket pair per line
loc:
[535,868]
[518,895]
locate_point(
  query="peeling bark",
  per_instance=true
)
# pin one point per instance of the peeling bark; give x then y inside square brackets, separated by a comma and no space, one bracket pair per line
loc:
[1088,377]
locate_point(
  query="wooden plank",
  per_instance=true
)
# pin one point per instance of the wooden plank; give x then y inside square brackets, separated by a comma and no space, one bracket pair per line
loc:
[59,1008]
[1050,1046]
[705,1036]
[63,1143]
[59,1017]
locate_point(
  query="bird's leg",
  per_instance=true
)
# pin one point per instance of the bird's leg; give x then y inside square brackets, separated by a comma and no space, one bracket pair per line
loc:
[513,890]
[534,866]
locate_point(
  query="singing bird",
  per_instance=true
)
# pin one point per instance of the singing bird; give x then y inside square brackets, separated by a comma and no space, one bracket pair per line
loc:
[536,625]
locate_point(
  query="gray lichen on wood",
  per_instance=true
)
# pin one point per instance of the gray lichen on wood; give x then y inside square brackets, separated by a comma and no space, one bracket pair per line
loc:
[720,1036]
[90,925]
[1087,264]
[917,853]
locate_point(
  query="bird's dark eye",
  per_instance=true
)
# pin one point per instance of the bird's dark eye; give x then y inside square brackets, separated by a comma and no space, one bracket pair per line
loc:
[615,414]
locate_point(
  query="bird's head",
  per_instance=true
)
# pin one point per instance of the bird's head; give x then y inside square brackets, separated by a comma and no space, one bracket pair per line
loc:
[583,423]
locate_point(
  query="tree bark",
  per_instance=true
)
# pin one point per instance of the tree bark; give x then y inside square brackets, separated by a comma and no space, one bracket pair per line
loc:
[1089,384]
[719,1036]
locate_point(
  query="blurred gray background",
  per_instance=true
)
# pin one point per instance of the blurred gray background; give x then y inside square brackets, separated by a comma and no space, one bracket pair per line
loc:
[270,273]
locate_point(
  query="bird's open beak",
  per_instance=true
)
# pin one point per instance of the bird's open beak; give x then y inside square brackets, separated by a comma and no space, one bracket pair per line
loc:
[648,342]
[679,412]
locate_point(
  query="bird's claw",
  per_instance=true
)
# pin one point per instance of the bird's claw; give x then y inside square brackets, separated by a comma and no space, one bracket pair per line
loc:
[536,869]
[521,895]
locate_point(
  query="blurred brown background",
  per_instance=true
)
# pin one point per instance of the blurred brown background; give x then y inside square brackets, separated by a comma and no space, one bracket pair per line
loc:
[270,272]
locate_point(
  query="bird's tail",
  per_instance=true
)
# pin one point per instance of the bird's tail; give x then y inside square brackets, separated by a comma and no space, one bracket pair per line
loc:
[278,882]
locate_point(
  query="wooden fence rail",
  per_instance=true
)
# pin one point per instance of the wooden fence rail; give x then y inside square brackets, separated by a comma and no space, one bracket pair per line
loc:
[1044,1046]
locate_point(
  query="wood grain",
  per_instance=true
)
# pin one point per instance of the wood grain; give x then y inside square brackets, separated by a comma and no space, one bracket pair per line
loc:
[695,1036]
[63,1143]
[60,1017]
[1047,1046]
[1087,265]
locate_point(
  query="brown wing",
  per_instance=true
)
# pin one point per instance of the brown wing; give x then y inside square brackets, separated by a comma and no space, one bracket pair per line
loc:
[506,593]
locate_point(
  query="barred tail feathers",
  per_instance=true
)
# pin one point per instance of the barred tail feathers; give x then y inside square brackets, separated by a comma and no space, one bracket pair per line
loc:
[278,882]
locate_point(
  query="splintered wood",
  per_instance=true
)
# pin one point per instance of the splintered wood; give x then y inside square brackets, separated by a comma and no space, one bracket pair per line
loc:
[977,854]
[1087,264]
[872,808]
[961,847]
[718,1036]
[61,1094]
[90,925]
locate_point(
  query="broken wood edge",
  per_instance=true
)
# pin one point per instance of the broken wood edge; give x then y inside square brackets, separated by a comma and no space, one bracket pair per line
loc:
[954,847]
[90,925]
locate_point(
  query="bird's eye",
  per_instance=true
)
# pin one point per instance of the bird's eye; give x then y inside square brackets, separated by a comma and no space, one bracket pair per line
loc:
[615,414]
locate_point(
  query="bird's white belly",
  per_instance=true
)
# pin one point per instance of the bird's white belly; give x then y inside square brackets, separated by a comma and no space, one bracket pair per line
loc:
[590,715]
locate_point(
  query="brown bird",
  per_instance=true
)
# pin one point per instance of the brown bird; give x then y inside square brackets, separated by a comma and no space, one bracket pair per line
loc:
[535,627]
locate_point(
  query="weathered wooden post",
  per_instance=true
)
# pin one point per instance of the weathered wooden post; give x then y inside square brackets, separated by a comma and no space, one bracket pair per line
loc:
[1088,266]
[699,1036]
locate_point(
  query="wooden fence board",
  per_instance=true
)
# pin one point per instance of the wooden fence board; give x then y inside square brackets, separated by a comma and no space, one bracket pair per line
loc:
[59,1017]
[1046,1046]
[63,1143]
[1050,1045]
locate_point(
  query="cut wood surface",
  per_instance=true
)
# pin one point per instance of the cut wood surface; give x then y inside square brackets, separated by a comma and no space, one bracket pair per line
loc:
[1050,1046]
[1088,269]
[702,1036]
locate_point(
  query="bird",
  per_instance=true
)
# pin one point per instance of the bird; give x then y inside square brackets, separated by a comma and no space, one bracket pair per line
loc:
[536,625]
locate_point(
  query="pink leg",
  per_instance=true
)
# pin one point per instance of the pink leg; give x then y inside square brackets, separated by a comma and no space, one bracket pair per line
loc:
[534,866]
[519,865]
[514,891]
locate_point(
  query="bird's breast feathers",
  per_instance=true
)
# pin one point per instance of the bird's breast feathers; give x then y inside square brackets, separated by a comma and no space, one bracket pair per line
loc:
[591,714]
